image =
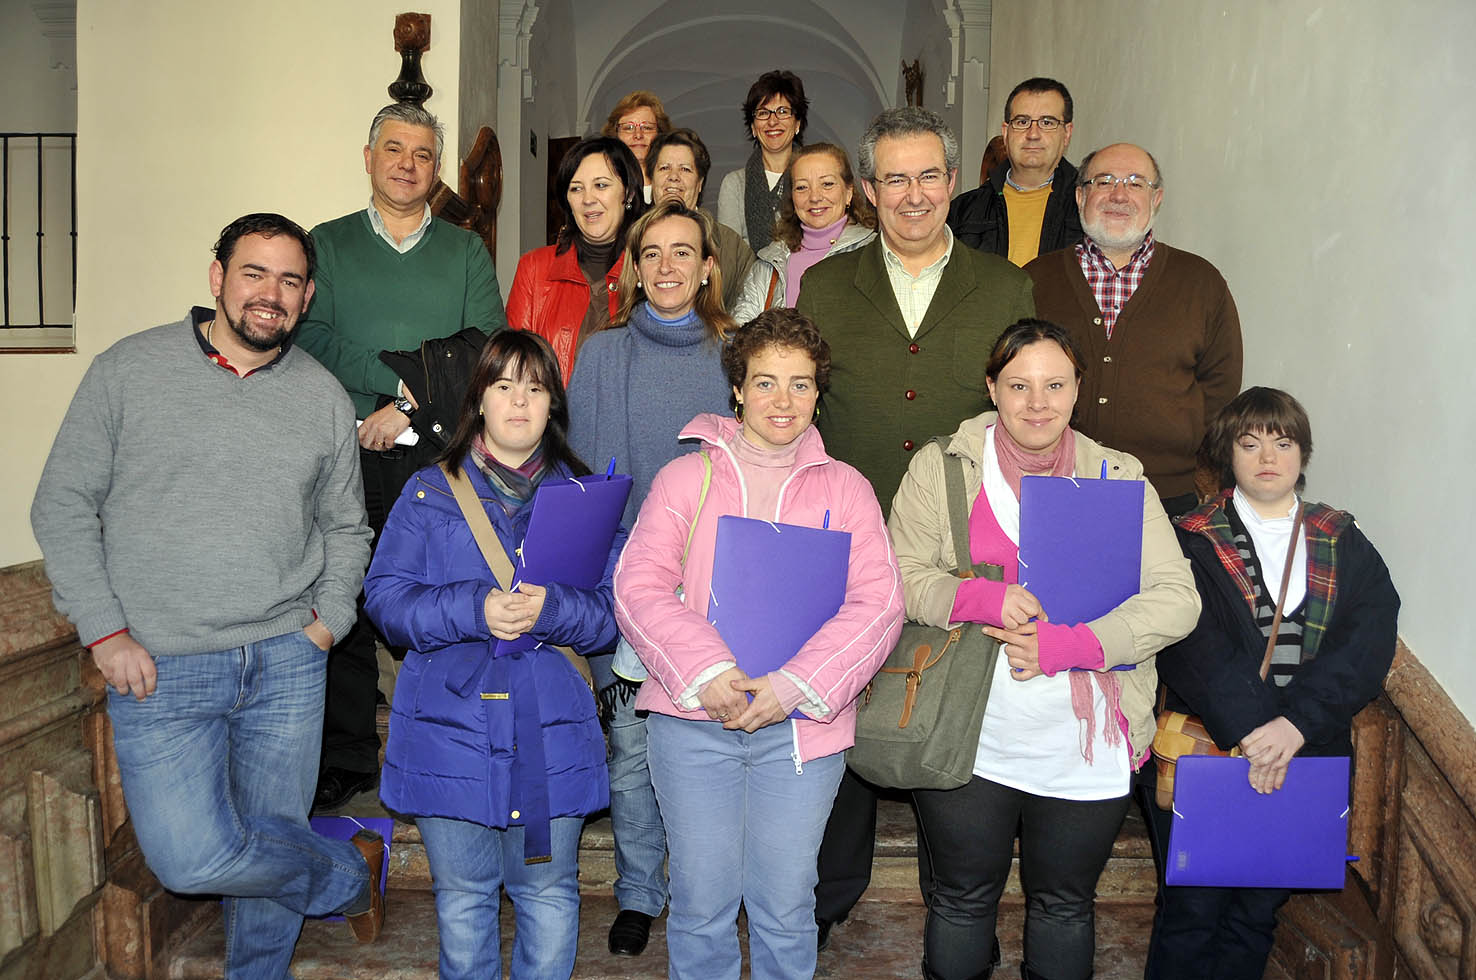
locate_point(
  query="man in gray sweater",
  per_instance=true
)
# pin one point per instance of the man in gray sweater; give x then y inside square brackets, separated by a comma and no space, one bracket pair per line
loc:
[201,520]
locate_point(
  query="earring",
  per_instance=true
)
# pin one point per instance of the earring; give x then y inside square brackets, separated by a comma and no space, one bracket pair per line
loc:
[817,413]
[739,411]
[627,205]
[638,284]
[704,282]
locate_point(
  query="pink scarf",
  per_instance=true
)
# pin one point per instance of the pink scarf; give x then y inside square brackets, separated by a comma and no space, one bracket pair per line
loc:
[1015,461]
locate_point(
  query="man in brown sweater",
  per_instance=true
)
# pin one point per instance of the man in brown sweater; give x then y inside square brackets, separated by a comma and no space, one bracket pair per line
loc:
[1157,324]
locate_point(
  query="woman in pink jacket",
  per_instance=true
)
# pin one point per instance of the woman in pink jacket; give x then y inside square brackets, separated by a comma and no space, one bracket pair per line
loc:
[745,790]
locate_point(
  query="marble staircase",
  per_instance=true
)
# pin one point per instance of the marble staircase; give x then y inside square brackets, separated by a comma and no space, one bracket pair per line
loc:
[882,938]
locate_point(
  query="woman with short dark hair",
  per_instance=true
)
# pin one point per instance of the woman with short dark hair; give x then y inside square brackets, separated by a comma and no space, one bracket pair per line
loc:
[1329,653]
[774,115]
[746,786]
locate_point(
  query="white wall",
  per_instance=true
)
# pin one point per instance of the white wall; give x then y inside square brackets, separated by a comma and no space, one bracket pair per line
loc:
[1320,155]
[189,115]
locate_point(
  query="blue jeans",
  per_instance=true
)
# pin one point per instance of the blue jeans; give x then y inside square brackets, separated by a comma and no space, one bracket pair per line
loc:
[469,862]
[218,768]
[743,826]
[635,820]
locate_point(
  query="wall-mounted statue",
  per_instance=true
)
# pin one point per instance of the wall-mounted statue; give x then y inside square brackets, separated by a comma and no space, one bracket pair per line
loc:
[913,76]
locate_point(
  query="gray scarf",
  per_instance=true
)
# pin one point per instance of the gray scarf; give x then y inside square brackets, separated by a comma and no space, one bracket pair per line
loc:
[761,205]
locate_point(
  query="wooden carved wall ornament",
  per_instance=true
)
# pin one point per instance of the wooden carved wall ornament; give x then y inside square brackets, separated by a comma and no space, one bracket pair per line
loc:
[412,39]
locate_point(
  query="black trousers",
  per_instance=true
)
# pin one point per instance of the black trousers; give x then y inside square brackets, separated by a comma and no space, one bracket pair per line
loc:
[350,739]
[1211,933]
[848,846]
[969,834]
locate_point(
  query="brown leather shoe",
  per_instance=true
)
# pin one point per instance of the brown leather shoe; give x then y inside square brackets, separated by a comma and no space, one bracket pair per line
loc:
[367,925]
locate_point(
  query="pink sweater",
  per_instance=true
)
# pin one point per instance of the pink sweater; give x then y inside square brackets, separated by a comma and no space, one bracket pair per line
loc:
[980,600]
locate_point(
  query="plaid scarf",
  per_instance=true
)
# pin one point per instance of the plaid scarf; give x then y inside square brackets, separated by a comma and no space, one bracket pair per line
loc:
[512,486]
[1321,527]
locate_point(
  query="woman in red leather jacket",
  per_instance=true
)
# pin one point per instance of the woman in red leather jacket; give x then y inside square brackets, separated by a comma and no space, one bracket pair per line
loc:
[567,291]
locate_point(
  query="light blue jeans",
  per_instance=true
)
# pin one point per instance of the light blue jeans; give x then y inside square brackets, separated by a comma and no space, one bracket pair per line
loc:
[469,862]
[635,820]
[218,767]
[743,827]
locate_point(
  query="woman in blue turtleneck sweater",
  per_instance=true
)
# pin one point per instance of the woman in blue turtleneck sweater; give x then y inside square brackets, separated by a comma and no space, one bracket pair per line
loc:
[823,215]
[635,385]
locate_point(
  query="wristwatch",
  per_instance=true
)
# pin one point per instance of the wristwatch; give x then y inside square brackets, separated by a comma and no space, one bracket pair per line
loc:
[403,406]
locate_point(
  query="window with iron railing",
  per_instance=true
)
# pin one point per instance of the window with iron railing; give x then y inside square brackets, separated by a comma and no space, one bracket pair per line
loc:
[38,240]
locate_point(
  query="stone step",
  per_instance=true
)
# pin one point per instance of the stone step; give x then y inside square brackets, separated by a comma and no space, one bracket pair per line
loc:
[1129,875]
[881,940]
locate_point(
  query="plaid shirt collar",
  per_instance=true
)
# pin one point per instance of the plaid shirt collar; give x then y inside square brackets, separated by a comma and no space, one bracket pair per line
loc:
[1113,287]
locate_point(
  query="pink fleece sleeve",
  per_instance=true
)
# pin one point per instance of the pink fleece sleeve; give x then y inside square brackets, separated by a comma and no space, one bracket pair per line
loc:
[1064,647]
[978,600]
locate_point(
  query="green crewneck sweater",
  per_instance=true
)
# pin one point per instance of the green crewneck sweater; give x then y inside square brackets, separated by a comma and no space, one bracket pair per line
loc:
[370,298]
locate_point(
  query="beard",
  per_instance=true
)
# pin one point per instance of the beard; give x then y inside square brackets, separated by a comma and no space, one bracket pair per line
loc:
[260,340]
[1126,241]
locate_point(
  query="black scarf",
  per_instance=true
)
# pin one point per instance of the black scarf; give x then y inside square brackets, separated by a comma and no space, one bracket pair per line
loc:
[761,205]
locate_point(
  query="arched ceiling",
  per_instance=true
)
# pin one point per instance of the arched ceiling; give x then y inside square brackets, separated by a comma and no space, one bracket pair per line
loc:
[701,61]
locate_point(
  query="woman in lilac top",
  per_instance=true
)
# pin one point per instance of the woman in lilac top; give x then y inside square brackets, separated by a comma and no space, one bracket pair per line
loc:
[822,216]
[1063,731]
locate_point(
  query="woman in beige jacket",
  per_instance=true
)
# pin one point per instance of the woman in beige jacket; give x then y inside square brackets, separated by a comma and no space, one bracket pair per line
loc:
[1063,731]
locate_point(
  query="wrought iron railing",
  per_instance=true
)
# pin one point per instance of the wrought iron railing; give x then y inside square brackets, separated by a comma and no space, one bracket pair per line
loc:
[38,177]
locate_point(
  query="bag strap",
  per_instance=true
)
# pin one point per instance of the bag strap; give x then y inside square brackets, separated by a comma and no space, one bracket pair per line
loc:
[492,553]
[958,504]
[773,283]
[1286,574]
[701,499]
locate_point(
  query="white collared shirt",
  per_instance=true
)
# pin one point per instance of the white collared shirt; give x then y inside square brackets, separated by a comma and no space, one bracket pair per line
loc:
[915,293]
[376,221]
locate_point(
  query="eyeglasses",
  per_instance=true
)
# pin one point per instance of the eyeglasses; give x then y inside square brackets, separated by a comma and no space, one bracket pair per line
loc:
[782,113]
[630,129]
[1133,182]
[1047,124]
[899,183]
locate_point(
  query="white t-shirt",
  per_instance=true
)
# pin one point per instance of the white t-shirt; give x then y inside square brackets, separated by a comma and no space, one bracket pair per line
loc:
[1031,740]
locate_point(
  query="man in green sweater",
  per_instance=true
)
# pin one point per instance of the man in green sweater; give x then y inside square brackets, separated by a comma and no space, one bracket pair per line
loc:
[910,319]
[390,277]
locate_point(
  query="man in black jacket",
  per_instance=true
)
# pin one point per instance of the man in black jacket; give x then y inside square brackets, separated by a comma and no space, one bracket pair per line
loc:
[1028,205]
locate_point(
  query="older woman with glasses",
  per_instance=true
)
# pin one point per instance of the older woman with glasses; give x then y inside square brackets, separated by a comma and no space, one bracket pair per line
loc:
[636,121]
[774,115]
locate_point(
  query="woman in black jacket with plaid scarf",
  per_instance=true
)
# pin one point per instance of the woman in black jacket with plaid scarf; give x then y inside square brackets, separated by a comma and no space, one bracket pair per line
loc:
[1333,647]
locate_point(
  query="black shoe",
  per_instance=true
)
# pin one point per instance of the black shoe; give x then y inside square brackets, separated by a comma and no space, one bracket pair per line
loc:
[629,933]
[337,786]
[822,935]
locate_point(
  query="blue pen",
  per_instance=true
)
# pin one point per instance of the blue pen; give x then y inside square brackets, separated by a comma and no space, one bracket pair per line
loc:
[826,525]
[1104,469]
[610,470]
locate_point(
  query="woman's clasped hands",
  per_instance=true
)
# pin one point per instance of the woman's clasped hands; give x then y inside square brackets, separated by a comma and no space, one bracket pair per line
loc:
[511,614]
[1018,634]
[725,699]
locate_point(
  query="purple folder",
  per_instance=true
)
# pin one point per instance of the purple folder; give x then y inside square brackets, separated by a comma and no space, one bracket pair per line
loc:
[1227,835]
[773,587]
[1081,544]
[568,539]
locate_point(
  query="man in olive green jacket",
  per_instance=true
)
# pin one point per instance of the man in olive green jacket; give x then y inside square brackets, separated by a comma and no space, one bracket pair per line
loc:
[910,319]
